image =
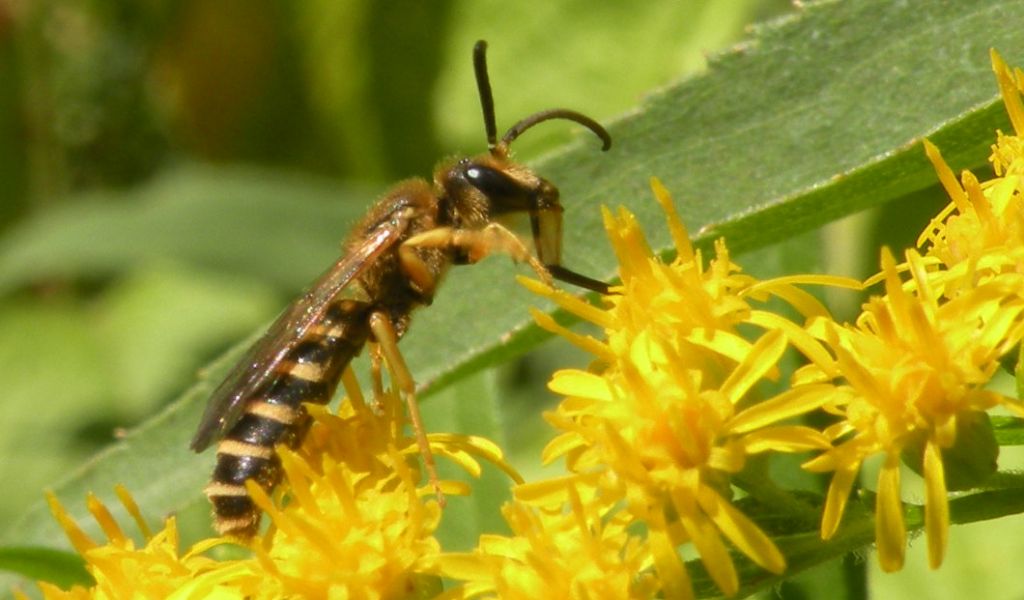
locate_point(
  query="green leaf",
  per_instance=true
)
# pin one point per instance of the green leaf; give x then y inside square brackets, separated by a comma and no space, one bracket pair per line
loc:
[1018,372]
[60,568]
[1009,430]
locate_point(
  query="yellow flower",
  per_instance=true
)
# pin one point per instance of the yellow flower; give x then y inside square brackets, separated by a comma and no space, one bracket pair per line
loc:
[155,570]
[913,368]
[912,371]
[666,416]
[342,535]
[980,233]
[349,520]
[585,551]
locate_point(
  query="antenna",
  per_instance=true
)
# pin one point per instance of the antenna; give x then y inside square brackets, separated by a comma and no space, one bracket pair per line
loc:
[483,84]
[558,113]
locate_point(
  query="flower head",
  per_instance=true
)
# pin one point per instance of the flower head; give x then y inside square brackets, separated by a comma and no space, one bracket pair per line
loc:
[354,521]
[583,551]
[154,570]
[911,374]
[665,417]
[349,520]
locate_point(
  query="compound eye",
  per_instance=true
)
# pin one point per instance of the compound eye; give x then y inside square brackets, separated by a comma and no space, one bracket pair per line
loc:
[493,183]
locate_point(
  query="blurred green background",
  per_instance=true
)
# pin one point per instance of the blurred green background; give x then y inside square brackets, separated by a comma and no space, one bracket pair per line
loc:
[174,172]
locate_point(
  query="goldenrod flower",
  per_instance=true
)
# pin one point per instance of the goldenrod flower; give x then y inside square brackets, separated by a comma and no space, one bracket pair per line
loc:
[355,523]
[661,419]
[980,234]
[912,371]
[349,520]
[155,570]
[585,551]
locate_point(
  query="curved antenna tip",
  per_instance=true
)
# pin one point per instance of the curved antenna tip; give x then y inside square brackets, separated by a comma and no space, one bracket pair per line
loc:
[558,113]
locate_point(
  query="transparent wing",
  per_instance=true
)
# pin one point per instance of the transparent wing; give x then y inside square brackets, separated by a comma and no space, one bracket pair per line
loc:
[227,403]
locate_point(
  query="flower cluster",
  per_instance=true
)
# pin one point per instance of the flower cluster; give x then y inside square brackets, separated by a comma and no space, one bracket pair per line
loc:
[585,551]
[659,430]
[910,375]
[667,413]
[666,436]
[350,521]
[156,570]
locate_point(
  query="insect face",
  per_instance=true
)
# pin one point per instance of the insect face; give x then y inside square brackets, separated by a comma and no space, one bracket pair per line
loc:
[491,188]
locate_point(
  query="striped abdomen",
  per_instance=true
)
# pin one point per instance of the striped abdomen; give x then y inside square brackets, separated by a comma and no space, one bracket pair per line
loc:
[274,414]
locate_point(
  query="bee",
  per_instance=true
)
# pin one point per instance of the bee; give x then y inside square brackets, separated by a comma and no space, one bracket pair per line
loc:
[394,260]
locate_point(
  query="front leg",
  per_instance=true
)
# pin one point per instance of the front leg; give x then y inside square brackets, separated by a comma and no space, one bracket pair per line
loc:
[475,244]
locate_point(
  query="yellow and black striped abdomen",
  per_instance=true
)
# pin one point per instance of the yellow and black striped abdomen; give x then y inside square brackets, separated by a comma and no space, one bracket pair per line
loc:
[274,414]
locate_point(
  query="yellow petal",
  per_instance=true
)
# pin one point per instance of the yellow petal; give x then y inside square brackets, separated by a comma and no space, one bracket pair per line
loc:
[133,509]
[464,460]
[936,514]
[763,357]
[551,491]
[628,242]
[798,338]
[583,342]
[741,531]
[476,446]
[706,539]
[946,177]
[835,501]
[790,403]
[560,446]
[675,582]
[890,530]
[727,344]
[804,302]
[573,304]
[105,520]
[573,382]
[465,566]
[81,542]
[1009,91]
[680,237]
[785,438]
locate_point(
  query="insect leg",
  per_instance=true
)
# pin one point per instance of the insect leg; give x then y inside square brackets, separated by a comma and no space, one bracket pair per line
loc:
[352,391]
[478,243]
[387,340]
[419,274]
[375,376]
